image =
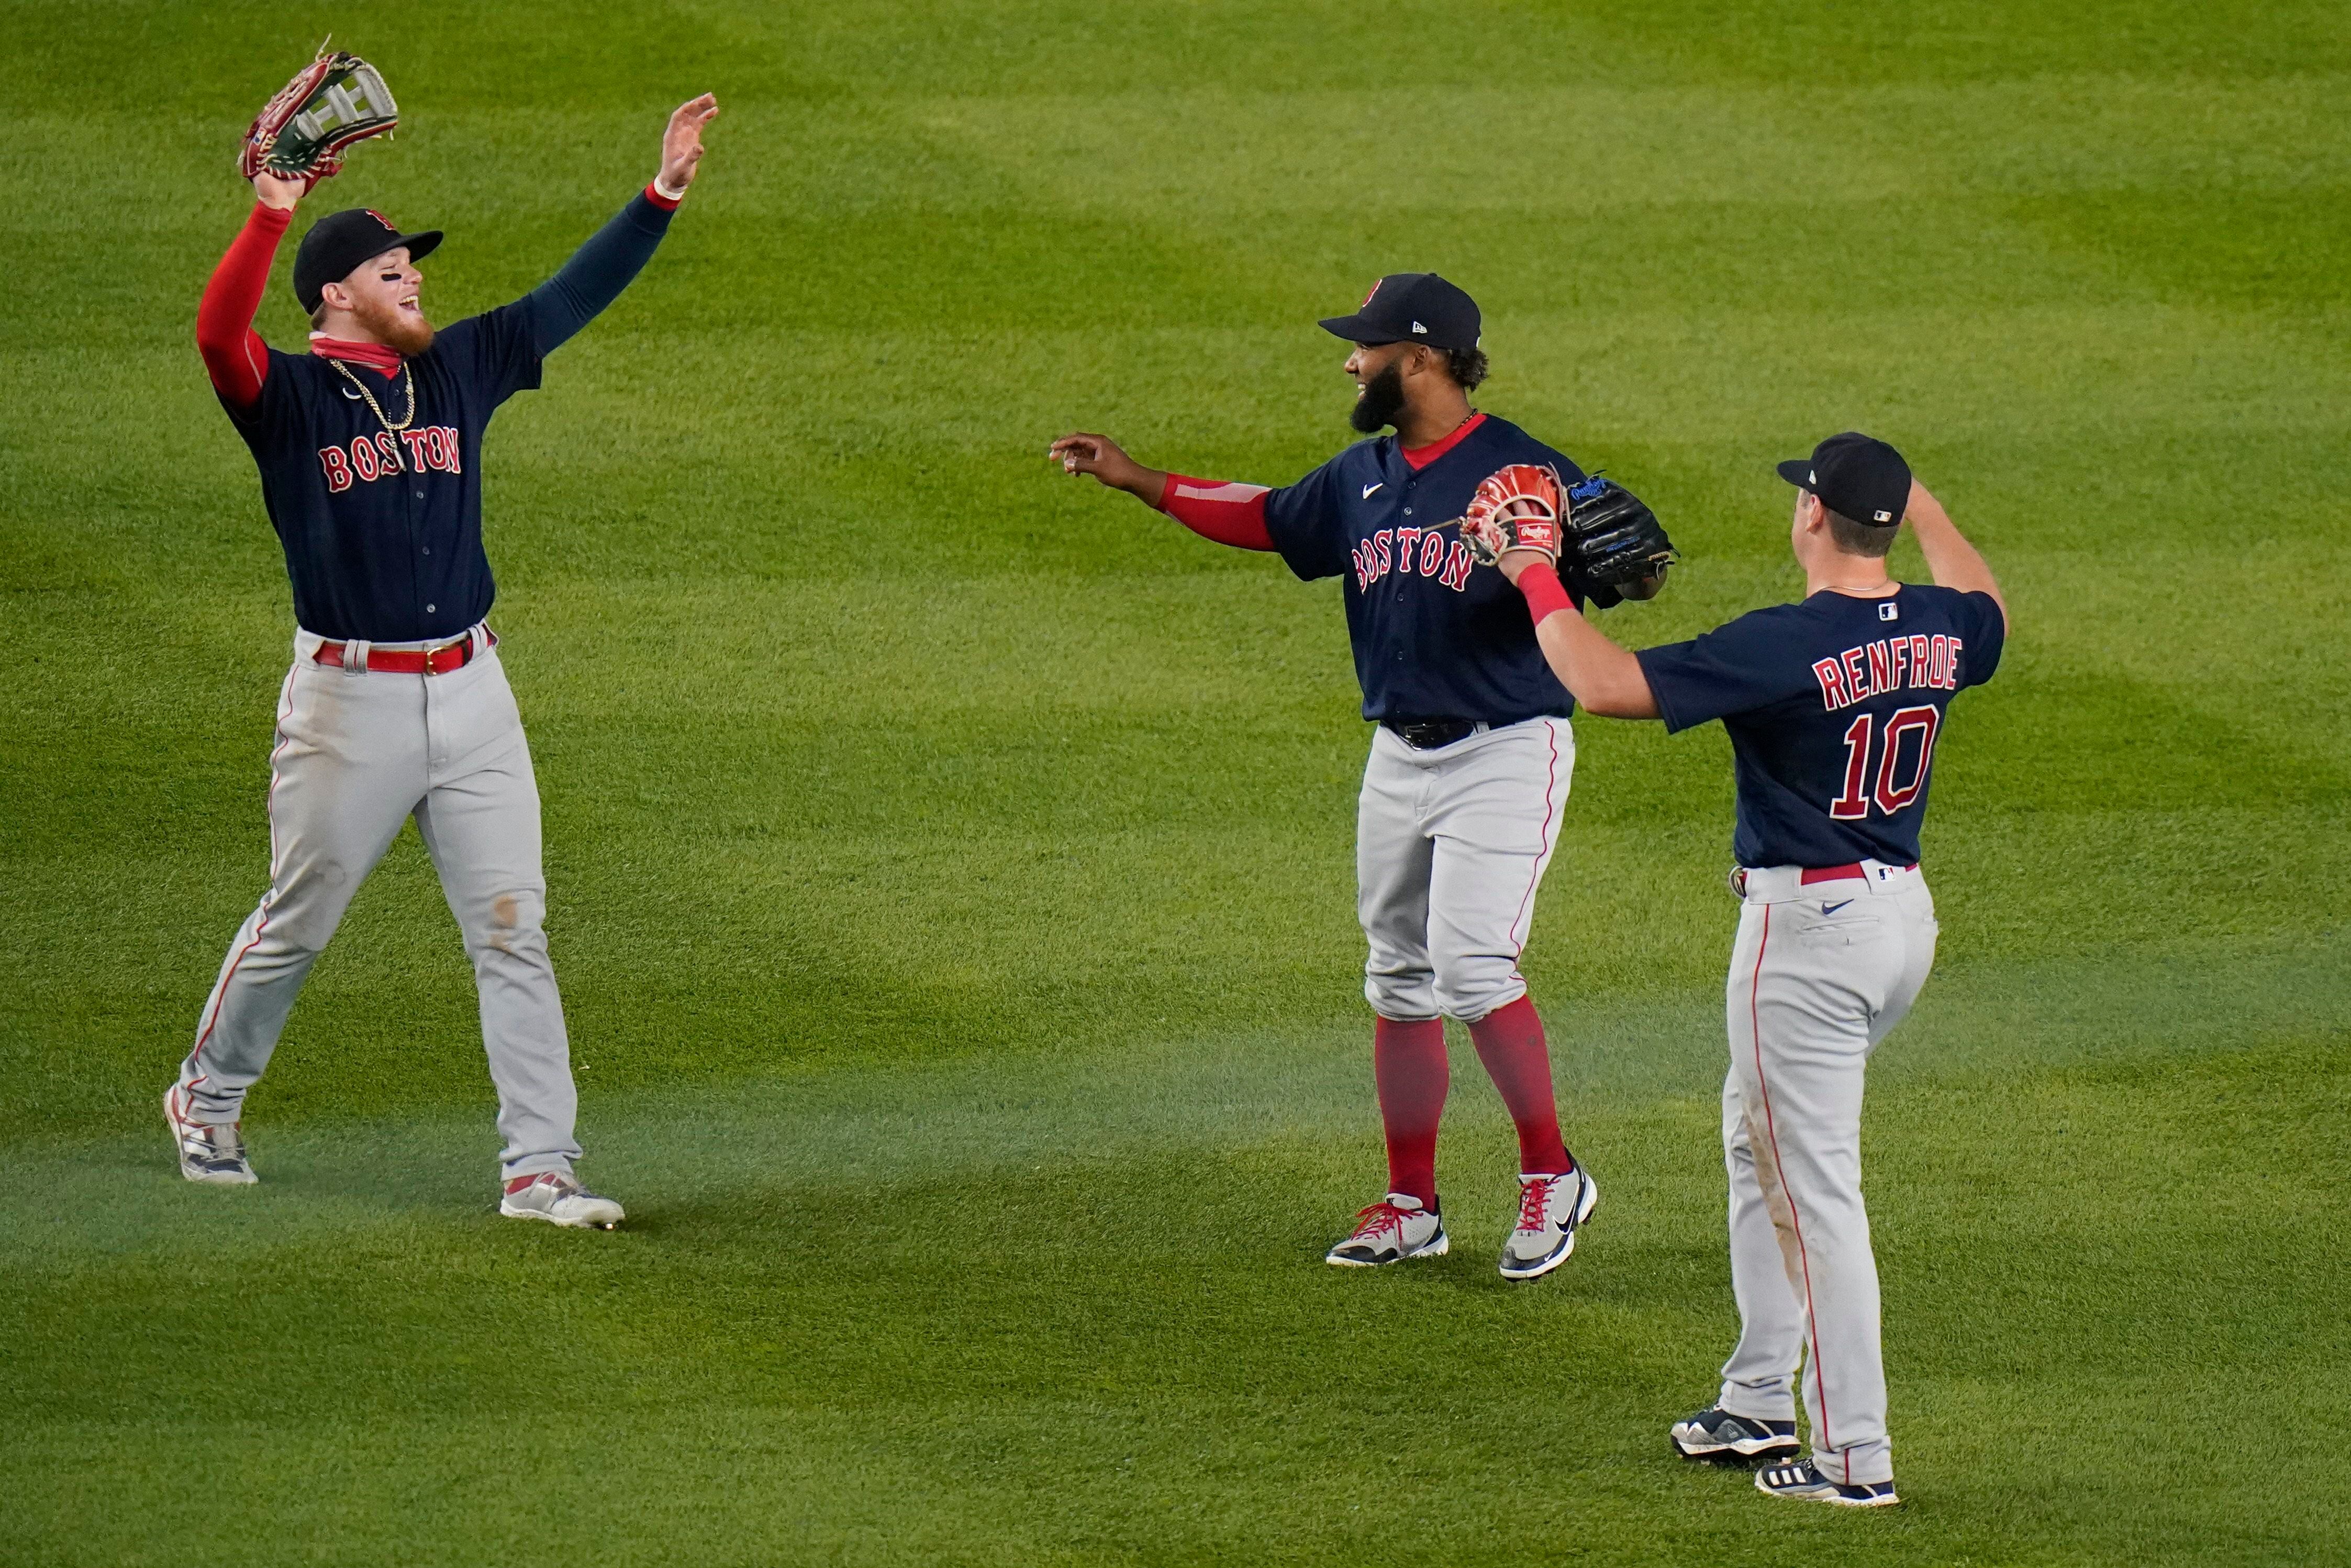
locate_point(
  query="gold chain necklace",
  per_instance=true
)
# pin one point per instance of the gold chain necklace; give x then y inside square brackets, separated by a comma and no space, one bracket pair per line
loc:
[407,379]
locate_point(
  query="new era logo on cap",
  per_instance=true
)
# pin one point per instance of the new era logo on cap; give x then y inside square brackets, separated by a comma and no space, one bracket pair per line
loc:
[1420,329]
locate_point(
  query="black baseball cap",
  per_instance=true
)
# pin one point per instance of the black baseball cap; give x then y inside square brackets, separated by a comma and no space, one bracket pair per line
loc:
[1409,308]
[1855,475]
[339,243]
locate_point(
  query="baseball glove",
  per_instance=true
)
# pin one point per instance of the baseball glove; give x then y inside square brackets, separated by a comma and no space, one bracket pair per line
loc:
[1613,541]
[1517,507]
[300,134]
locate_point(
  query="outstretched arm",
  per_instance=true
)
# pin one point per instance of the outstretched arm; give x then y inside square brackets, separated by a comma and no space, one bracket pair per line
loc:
[1230,514]
[1952,561]
[616,252]
[234,356]
[1605,679]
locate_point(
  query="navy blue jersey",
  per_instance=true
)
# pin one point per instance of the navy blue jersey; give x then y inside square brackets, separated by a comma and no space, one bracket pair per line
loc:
[382,530]
[1435,635]
[1832,706]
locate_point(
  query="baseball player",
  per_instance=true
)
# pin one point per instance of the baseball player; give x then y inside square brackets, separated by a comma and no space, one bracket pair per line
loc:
[370,448]
[1832,706]
[1468,770]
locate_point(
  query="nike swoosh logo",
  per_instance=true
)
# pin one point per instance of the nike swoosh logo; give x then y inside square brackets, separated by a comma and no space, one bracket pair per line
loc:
[1832,908]
[1369,488]
[351,394]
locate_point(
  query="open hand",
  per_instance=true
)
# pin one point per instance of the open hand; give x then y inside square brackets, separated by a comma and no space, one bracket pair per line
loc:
[681,142]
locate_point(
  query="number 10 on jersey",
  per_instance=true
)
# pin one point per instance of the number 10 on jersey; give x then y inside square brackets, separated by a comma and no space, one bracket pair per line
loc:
[1888,796]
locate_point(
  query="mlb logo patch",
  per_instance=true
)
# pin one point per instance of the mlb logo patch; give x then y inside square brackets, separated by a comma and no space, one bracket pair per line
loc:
[1889,611]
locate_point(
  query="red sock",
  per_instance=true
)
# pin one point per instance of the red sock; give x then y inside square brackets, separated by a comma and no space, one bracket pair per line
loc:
[1511,1043]
[1408,1059]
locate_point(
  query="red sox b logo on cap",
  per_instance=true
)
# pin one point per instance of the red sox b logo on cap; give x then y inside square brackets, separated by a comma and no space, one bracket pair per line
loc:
[1374,294]
[381,219]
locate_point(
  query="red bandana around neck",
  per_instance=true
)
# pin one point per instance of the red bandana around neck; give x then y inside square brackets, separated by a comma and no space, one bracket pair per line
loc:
[382,357]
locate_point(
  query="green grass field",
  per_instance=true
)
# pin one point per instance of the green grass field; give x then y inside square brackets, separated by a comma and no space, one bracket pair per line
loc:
[951,864]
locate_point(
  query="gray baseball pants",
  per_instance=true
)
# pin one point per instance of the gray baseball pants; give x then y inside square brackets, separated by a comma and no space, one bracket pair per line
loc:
[1450,845]
[358,752]
[1819,975]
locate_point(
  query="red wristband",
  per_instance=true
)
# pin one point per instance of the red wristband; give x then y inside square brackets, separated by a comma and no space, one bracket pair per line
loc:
[1546,595]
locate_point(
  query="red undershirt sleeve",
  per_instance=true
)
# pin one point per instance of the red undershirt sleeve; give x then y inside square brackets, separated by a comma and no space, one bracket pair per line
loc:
[1230,514]
[234,356]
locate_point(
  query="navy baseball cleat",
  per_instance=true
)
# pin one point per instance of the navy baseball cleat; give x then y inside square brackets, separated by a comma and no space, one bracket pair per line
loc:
[1802,1479]
[1718,1436]
[1398,1227]
[209,1154]
[1550,1209]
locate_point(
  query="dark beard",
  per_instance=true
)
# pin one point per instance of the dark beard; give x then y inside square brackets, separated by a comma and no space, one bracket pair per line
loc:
[1382,400]
[406,334]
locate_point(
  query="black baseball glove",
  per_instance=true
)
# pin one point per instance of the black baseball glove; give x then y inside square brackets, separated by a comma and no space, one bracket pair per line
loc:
[1615,543]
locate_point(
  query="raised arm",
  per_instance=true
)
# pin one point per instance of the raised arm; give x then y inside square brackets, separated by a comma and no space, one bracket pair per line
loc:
[616,252]
[1230,514]
[1952,561]
[1605,679]
[234,356]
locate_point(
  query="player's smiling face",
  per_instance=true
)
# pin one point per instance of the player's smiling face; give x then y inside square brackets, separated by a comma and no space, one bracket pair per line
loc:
[384,295]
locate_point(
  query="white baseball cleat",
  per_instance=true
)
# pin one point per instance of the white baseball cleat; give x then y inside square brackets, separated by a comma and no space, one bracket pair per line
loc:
[1549,1209]
[207,1154]
[559,1199]
[1398,1227]
[1802,1479]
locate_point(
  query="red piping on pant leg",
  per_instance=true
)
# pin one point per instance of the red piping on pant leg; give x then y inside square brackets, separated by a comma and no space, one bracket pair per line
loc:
[1550,782]
[1812,1323]
[270,809]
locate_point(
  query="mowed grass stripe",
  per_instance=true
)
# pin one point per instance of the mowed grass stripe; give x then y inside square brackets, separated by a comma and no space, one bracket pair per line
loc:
[1188,1347]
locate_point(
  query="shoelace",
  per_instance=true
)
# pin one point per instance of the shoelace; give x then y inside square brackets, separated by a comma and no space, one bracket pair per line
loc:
[1534,1200]
[1380,1217]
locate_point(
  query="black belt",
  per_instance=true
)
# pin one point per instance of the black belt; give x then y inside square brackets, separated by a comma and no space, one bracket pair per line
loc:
[1428,734]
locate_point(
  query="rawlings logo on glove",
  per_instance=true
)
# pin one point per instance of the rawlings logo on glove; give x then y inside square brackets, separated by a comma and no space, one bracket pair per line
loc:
[1616,542]
[335,101]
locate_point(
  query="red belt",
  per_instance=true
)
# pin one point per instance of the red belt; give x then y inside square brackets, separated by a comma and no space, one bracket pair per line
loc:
[411,661]
[1837,873]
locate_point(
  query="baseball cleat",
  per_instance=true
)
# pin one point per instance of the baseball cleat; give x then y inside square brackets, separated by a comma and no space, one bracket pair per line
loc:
[1802,1479]
[1398,1227]
[1721,1438]
[1550,1209]
[207,1154]
[559,1199]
